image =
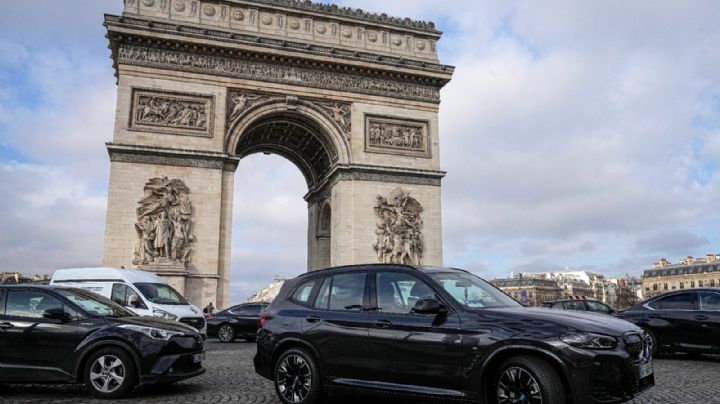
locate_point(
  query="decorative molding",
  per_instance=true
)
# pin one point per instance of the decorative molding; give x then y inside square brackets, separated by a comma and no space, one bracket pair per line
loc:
[170,157]
[400,136]
[164,225]
[399,238]
[172,113]
[275,73]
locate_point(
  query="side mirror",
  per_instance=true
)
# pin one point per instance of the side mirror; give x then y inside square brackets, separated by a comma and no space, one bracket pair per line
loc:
[134,301]
[56,314]
[429,306]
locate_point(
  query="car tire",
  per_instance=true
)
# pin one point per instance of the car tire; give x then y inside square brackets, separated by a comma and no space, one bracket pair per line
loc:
[655,346]
[537,379]
[110,373]
[226,333]
[297,377]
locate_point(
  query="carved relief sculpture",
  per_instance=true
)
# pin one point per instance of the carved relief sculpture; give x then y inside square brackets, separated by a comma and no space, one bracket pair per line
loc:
[340,113]
[164,224]
[399,238]
[396,136]
[174,113]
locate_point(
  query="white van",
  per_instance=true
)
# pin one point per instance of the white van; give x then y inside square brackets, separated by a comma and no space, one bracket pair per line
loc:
[144,293]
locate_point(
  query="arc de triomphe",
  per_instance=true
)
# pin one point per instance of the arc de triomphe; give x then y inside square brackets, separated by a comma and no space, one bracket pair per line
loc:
[351,98]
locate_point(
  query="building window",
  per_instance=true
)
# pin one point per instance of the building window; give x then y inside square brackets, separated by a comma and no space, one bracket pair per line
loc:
[654,286]
[692,284]
[712,283]
[700,284]
[665,287]
[682,285]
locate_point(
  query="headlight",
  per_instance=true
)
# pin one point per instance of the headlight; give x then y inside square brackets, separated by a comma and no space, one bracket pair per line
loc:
[164,314]
[589,340]
[154,333]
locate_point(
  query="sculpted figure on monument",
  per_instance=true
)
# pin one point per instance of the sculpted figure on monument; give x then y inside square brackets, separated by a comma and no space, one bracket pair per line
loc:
[399,229]
[166,111]
[164,223]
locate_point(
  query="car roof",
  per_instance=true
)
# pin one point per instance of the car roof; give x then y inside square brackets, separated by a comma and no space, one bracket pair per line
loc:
[105,274]
[365,267]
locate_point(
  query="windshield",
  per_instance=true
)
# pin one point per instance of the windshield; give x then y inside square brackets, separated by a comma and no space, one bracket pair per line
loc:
[160,293]
[94,305]
[471,291]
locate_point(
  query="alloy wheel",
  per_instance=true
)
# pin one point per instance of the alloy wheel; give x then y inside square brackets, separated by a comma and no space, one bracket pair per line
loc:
[294,379]
[226,333]
[517,386]
[107,373]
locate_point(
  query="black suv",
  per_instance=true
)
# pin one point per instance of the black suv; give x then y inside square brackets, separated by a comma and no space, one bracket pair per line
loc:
[443,333]
[579,305]
[63,335]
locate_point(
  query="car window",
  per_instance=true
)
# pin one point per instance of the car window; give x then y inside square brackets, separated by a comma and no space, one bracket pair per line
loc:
[709,301]
[161,293]
[682,301]
[471,291]
[32,304]
[121,294]
[2,302]
[245,311]
[574,305]
[598,307]
[342,292]
[303,293]
[558,305]
[398,292]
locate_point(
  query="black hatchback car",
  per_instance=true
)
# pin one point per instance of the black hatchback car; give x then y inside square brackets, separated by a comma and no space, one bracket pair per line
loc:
[681,321]
[63,335]
[443,333]
[238,321]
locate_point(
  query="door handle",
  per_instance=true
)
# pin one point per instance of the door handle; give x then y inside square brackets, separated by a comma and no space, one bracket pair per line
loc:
[312,319]
[701,317]
[382,324]
[6,326]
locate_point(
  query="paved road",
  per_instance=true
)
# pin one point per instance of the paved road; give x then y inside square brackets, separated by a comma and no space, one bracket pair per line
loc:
[230,378]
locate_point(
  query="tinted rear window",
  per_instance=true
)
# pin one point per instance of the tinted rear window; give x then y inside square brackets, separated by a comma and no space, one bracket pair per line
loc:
[303,292]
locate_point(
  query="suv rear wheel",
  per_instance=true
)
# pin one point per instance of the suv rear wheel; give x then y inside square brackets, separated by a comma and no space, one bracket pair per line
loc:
[297,379]
[110,373]
[526,379]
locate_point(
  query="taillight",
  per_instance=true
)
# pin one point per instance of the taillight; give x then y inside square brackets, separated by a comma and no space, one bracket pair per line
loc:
[263,320]
[209,317]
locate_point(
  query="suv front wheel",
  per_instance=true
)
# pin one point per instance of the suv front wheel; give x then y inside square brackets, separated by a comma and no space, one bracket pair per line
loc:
[297,379]
[526,379]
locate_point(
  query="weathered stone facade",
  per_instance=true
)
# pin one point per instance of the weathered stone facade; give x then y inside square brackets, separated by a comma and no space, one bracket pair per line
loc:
[351,98]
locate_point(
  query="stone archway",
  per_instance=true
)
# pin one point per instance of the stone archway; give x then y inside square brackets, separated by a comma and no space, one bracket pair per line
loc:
[351,98]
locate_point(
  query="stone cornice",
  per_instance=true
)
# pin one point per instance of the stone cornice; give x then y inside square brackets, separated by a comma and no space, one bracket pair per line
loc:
[127,25]
[172,157]
[361,172]
[357,14]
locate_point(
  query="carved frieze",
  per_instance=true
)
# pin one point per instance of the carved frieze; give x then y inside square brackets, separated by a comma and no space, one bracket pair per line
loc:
[240,101]
[275,73]
[172,113]
[396,136]
[164,224]
[399,238]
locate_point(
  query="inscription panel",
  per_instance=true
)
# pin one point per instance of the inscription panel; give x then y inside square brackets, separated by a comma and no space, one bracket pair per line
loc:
[172,113]
[396,136]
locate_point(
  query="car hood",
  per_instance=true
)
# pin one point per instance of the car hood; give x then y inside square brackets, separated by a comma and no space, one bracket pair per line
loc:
[168,325]
[180,310]
[567,319]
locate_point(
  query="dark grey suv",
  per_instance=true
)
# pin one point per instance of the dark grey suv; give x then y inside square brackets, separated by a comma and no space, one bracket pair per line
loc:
[443,333]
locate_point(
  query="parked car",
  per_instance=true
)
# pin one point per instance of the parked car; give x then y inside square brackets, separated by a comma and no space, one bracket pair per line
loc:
[443,333]
[680,321]
[238,321]
[64,335]
[141,292]
[579,305]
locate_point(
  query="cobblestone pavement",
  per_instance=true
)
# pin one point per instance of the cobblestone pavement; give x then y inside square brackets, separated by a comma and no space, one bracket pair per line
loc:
[230,378]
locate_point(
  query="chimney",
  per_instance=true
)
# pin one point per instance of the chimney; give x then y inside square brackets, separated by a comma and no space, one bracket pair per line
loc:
[689,260]
[664,262]
[710,257]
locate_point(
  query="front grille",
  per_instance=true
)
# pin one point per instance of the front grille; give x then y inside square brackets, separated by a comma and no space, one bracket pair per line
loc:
[197,322]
